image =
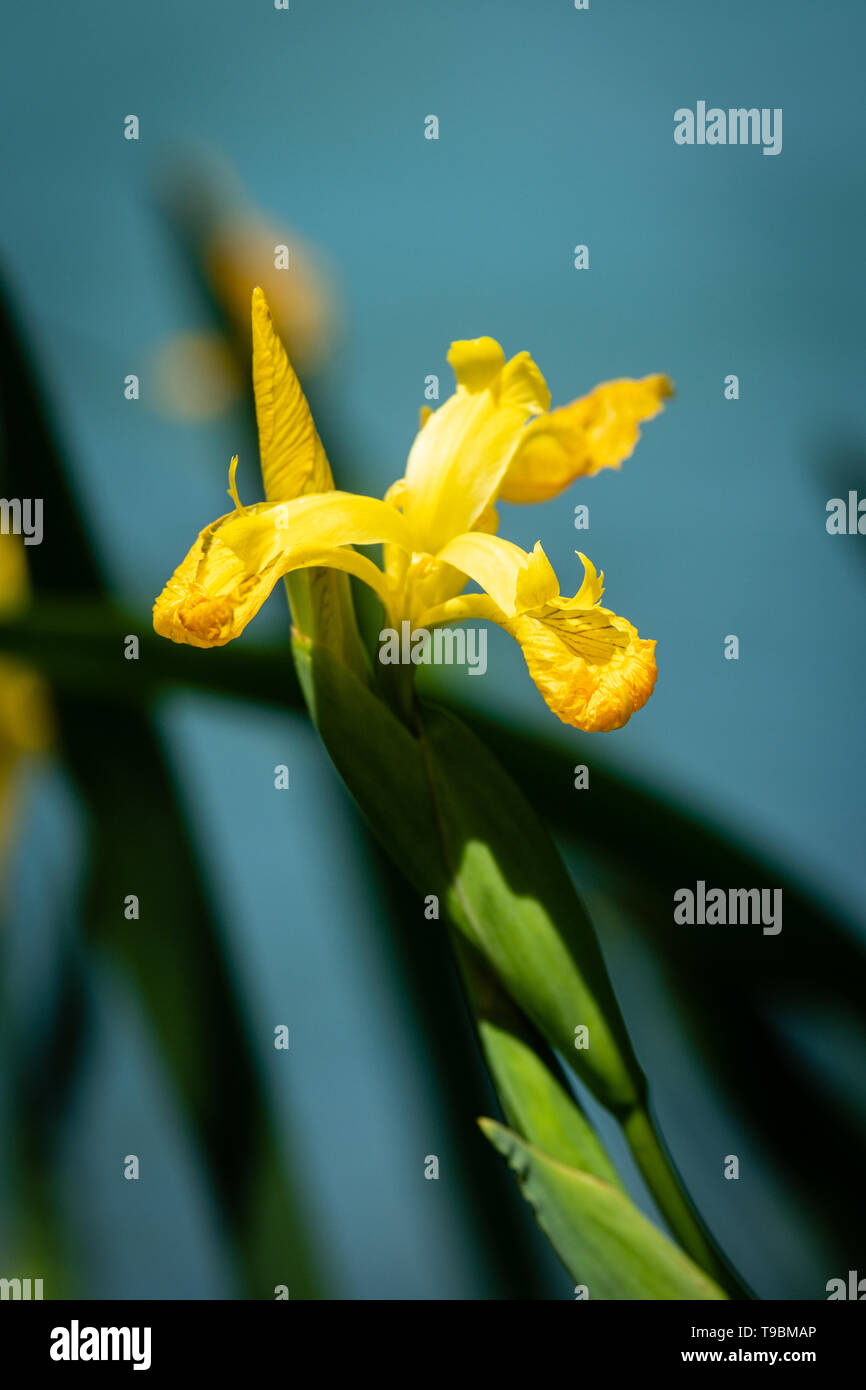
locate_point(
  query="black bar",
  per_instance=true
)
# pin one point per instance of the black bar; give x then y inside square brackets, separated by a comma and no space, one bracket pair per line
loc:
[293,1338]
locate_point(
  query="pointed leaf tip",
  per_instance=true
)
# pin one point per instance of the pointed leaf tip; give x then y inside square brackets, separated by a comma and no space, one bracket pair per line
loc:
[597,1231]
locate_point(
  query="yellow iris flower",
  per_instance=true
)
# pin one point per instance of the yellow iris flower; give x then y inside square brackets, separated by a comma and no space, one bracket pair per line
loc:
[494,438]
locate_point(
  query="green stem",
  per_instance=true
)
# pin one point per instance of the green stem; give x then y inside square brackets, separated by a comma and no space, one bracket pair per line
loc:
[397,685]
[322,611]
[666,1187]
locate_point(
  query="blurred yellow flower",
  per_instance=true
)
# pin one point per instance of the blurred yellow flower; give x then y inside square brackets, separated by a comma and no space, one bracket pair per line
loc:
[196,375]
[241,250]
[25,714]
[495,437]
[235,245]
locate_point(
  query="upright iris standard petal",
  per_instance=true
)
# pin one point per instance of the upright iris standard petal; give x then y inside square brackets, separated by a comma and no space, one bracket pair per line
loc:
[292,455]
[461,453]
[294,464]
[597,431]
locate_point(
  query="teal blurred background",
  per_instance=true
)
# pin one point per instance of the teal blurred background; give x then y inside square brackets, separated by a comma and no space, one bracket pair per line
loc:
[555,129]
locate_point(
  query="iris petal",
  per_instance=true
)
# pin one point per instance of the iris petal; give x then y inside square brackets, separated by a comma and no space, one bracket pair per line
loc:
[597,431]
[293,457]
[235,563]
[591,666]
[460,456]
[513,579]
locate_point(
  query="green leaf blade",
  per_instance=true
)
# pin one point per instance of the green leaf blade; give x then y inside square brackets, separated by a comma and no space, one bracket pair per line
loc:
[602,1239]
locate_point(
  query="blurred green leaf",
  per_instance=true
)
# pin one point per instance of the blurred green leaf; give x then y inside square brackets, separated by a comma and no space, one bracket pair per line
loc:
[175,956]
[74,643]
